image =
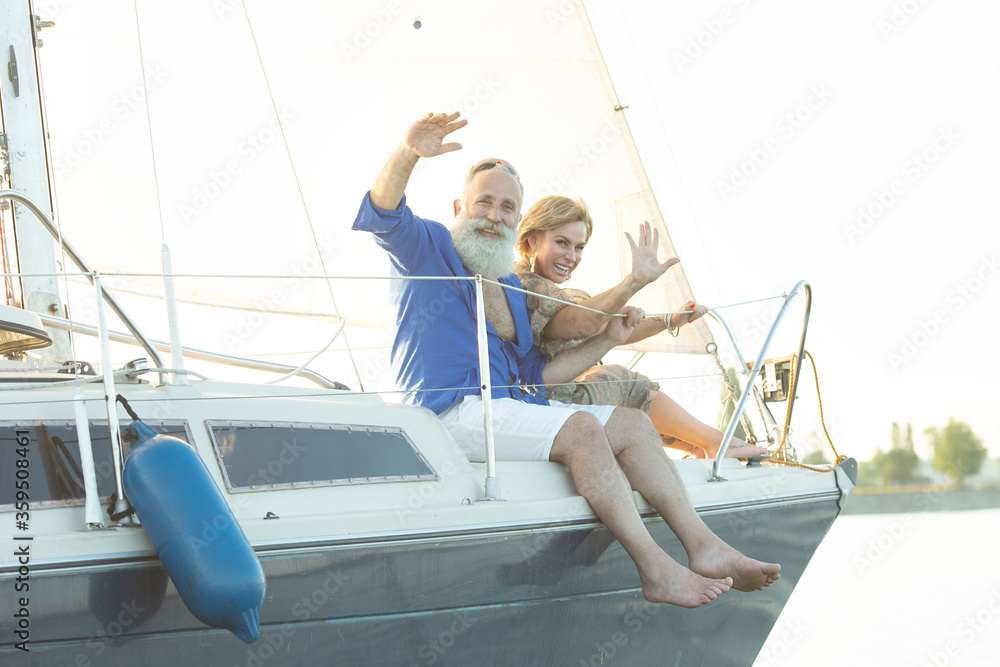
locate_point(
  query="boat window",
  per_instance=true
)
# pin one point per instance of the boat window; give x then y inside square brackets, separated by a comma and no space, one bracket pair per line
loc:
[258,456]
[52,450]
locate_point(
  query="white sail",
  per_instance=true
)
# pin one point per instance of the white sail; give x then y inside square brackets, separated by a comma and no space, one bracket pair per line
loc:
[529,77]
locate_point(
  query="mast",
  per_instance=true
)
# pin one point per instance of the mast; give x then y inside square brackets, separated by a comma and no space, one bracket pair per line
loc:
[26,167]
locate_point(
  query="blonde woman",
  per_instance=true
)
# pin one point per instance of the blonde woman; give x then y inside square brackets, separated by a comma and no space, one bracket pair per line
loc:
[552,236]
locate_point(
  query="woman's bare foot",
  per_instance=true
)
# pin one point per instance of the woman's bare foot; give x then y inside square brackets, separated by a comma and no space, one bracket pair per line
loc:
[738,449]
[669,581]
[724,561]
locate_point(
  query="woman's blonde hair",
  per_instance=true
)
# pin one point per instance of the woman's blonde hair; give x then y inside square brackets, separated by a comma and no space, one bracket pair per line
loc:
[549,213]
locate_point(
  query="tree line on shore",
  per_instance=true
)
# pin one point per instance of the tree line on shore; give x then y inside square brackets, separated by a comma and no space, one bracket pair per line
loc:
[958,454]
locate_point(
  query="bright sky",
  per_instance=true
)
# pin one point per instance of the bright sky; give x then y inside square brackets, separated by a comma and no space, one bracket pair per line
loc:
[853,145]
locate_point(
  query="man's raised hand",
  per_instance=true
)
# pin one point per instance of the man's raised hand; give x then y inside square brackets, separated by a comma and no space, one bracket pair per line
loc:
[423,139]
[425,136]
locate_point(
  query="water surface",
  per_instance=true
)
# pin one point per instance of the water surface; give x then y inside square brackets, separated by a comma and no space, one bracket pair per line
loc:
[904,590]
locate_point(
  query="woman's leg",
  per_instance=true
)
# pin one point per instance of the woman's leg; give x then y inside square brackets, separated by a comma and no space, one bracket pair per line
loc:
[673,421]
[686,448]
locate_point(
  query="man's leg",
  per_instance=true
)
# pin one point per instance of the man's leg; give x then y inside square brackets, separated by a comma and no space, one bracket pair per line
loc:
[582,445]
[639,452]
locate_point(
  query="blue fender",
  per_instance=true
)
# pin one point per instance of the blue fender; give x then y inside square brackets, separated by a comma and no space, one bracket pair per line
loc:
[194,532]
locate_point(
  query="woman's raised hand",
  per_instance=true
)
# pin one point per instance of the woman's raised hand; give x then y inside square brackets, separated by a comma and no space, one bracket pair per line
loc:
[645,266]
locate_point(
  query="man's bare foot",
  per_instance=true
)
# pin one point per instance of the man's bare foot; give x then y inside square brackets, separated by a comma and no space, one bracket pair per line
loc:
[747,574]
[671,582]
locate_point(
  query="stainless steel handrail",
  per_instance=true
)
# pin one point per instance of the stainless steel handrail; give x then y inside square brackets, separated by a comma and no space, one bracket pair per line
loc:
[770,421]
[485,386]
[724,445]
[83,266]
[800,357]
[203,355]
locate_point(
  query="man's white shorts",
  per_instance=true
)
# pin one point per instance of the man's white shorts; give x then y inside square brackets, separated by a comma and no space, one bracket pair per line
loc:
[521,431]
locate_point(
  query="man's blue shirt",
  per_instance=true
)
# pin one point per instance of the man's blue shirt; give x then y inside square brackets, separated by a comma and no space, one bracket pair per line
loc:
[436,344]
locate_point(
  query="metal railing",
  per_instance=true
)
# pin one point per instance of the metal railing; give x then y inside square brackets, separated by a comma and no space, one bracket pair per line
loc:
[752,374]
[492,484]
[28,203]
[193,353]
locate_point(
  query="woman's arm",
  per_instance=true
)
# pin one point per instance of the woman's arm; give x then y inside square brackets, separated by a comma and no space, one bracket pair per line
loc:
[571,362]
[651,326]
[571,323]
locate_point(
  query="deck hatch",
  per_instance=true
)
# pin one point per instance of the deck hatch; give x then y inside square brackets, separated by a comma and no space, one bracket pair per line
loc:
[283,455]
[53,450]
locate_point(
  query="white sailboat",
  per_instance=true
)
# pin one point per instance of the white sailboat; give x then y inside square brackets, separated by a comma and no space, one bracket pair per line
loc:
[258,132]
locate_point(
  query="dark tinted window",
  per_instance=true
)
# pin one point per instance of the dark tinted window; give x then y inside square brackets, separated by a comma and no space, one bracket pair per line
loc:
[301,455]
[53,459]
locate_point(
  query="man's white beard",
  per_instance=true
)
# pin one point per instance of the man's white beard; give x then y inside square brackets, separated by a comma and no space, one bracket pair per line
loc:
[489,257]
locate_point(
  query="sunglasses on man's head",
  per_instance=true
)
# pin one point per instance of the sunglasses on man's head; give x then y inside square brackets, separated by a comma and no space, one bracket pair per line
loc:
[493,163]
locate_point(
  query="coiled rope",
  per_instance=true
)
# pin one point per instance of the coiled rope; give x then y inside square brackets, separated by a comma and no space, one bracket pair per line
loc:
[780,451]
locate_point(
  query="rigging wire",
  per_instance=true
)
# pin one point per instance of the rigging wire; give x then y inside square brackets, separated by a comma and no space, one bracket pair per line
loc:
[69,316]
[57,219]
[5,206]
[121,274]
[323,394]
[149,122]
[54,201]
[632,128]
[3,252]
[673,159]
[298,185]
[308,361]
[215,304]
